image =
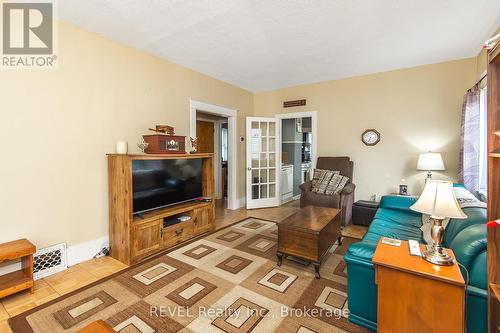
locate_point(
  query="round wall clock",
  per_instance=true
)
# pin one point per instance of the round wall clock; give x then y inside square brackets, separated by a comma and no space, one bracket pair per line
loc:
[370,137]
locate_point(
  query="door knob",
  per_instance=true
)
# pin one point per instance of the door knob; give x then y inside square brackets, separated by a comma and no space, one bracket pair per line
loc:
[249,169]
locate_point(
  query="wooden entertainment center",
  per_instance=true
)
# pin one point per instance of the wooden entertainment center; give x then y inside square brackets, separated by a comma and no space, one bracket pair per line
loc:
[132,238]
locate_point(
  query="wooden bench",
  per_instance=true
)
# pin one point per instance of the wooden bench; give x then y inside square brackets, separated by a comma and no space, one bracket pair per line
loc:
[22,279]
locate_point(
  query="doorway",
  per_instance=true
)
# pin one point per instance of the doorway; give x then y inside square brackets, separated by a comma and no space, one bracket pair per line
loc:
[224,146]
[210,135]
[297,152]
[205,132]
[281,154]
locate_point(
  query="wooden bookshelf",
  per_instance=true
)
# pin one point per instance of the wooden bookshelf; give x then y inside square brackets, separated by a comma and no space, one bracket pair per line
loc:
[493,252]
[494,154]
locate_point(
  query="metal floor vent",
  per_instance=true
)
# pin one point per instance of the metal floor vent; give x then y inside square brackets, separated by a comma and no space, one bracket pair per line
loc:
[49,260]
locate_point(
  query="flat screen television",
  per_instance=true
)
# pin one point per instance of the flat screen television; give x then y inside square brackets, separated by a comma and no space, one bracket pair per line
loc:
[161,183]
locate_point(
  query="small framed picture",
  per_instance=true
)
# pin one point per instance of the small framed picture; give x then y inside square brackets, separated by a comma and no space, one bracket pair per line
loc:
[403,189]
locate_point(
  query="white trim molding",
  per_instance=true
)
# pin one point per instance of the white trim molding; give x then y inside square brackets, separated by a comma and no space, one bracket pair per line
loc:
[232,117]
[73,255]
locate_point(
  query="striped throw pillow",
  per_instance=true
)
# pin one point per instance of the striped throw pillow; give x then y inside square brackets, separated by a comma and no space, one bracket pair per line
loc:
[336,184]
[321,180]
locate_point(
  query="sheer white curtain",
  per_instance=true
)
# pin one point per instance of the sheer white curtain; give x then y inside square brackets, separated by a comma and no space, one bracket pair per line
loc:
[470,150]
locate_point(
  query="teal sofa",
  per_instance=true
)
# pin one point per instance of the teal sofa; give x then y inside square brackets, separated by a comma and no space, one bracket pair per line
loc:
[467,239]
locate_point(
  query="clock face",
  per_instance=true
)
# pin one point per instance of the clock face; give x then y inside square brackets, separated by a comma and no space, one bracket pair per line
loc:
[370,137]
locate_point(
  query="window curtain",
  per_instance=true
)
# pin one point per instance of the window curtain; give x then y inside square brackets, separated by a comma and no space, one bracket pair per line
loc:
[470,141]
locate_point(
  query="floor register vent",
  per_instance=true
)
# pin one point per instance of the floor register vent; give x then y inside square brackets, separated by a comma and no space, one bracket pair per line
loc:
[49,260]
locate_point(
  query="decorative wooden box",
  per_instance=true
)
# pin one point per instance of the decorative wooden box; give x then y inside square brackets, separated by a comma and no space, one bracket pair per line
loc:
[165,144]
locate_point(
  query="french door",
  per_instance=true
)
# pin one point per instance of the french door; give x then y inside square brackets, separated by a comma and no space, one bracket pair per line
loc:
[263,166]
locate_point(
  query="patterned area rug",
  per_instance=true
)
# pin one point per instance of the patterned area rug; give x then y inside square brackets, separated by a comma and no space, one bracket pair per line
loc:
[227,281]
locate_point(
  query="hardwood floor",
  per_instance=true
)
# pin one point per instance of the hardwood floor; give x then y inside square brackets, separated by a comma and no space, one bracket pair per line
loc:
[89,271]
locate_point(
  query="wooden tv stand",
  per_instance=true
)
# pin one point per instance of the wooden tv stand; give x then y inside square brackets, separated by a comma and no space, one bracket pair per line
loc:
[132,238]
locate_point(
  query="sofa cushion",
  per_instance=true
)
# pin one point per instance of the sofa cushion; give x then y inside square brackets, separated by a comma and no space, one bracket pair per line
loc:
[387,223]
[382,228]
[400,203]
[401,217]
[323,200]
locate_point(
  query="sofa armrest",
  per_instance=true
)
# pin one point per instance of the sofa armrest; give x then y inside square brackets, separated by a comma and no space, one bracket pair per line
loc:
[306,186]
[361,253]
[469,243]
[348,189]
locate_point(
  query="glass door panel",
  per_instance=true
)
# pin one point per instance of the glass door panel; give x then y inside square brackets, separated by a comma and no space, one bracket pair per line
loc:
[261,163]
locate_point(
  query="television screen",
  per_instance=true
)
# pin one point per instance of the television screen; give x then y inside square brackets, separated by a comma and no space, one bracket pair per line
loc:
[160,183]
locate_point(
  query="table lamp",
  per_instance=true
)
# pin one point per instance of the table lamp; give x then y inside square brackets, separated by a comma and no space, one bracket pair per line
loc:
[439,201]
[430,162]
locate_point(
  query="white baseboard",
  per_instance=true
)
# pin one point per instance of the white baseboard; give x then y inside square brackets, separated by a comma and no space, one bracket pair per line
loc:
[85,251]
[75,254]
[242,202]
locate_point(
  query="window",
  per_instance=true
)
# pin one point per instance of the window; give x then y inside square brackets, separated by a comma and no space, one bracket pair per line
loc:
[483,153]
[224,144]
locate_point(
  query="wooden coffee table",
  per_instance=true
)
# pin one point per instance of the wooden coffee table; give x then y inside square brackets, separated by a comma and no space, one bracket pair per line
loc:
[309,234]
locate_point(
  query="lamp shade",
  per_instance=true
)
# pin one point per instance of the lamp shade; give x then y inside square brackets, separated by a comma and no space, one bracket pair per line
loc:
[439,201]
[430,161]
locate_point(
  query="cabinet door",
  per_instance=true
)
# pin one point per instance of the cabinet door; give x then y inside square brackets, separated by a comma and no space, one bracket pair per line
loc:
[146,238]
[286,181]
[202,219]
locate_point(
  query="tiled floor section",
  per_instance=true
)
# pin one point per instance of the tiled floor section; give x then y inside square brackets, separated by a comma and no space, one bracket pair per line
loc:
[87,272]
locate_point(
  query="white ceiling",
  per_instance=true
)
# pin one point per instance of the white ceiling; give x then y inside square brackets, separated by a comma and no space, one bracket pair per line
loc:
[268,44]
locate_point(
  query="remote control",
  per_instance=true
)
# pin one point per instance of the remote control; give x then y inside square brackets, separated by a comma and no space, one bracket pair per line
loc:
[414,248]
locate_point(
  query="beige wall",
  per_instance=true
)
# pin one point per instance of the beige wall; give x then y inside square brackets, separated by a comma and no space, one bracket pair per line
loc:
[415,110]
[57,125]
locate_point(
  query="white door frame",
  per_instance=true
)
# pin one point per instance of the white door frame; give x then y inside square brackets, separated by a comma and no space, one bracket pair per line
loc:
[314,129]
[232,116]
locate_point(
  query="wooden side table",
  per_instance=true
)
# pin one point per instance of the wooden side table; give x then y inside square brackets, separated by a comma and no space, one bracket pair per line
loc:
[22,279]
[415,295]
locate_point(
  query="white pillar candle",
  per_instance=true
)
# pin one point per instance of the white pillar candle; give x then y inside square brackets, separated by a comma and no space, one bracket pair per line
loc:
[121,147]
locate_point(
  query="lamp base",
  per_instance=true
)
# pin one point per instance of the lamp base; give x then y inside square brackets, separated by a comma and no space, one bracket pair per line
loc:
[438,257]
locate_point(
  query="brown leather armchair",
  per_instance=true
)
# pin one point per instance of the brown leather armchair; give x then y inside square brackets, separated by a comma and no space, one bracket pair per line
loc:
[343,200]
